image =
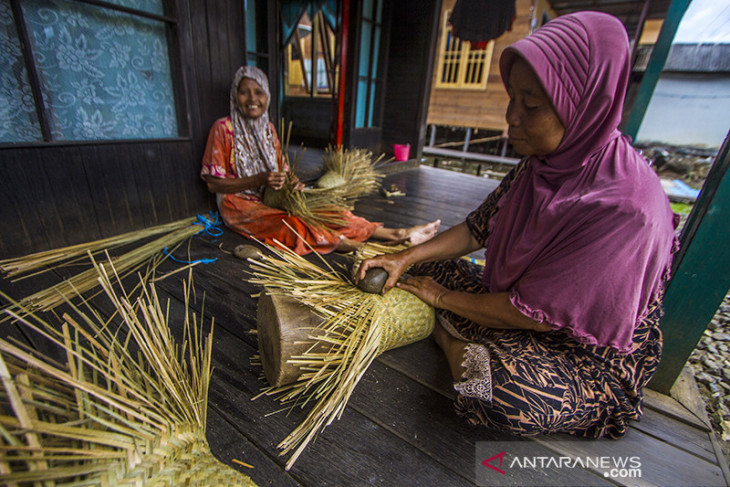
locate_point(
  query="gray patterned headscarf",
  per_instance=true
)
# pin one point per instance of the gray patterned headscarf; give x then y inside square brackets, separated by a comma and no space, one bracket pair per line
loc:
[253,138]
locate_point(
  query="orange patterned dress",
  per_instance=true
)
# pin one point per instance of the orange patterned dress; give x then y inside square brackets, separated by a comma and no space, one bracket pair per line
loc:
[246,213]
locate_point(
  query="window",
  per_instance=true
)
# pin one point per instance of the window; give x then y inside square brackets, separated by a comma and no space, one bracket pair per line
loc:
[256,43]
[369,82]
[459,65]
[310,67]
[76,70]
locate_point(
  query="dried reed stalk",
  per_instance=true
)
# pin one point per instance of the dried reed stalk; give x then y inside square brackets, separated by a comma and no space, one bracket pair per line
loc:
[27,265]
[357,327]
[356,168]
[323,207]
[121,411]
[150,254]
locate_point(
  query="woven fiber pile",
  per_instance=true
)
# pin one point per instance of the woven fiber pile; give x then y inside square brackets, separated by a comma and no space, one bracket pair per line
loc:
[127,406]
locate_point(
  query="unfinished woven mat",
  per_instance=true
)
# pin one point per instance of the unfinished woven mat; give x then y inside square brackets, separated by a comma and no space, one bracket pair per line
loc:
[355,328]
[128,406]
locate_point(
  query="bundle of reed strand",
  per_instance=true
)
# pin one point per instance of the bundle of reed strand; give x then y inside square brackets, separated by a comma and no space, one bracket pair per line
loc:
[350,173]
[28,265]
[150,254]
[120,411]
[323,207]
[315,208]
[356,328]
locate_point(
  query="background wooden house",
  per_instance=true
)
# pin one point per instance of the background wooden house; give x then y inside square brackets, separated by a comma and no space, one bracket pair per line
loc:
[467,96]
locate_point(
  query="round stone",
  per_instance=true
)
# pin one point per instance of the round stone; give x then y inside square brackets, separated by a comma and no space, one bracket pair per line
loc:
[245,251]
[373,281]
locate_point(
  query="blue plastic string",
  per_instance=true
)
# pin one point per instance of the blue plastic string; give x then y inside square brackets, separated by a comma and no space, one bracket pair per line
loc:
[199,261]
[211,224]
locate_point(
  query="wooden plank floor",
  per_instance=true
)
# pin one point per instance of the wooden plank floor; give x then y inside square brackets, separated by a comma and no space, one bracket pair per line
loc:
[399,427]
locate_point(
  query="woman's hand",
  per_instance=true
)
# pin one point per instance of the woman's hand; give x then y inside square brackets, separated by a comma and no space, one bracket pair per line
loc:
[394,264]
[297,185]
[425,288]
[272,179]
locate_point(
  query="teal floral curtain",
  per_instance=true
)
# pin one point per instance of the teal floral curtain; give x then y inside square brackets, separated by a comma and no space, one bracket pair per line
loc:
[149,6]
[103,74]
[292,11]
[18,117]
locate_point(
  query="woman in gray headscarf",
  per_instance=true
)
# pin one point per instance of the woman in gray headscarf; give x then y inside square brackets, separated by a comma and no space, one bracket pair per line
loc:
[243,157]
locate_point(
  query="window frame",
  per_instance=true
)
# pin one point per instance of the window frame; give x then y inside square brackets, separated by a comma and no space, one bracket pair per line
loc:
[374,79]
[464,60]
[171,24]
[255,16]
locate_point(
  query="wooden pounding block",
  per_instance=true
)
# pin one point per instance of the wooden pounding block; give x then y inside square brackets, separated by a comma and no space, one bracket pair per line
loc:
[284,327]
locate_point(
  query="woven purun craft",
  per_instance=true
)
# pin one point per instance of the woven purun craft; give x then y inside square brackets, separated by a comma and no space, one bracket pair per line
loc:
[350,171]
[355,328]
[349,174]
[128,406]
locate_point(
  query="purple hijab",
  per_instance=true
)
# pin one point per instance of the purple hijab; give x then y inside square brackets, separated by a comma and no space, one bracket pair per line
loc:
[583,238]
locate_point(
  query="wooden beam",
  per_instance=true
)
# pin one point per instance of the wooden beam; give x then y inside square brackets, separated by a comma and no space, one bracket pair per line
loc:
[474,156]
[656,63]
[30,66]
[639,30]
[300,51]
[701,273]
[314,63]
[328,57]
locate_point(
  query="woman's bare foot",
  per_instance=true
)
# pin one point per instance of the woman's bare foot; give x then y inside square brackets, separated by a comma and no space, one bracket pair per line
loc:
[422,233]
[414,235]
[346,245]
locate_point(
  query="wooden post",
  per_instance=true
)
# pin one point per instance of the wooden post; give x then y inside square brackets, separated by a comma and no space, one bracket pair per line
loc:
[344,33]
[467,140]
[656,63]
[701,271]
[639,30]
[314,64]
[328,61]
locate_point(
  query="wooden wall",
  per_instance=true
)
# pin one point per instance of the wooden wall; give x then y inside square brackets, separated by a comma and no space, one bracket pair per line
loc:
[410,64]
[311,118]
[52,195]
[480,108]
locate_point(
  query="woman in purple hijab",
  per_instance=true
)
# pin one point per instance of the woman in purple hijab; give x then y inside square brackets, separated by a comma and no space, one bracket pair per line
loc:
[559,331]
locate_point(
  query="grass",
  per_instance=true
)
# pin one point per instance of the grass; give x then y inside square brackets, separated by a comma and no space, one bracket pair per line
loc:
[681,208]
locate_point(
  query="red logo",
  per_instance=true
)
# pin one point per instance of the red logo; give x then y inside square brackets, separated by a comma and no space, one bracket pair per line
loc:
[501,459]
